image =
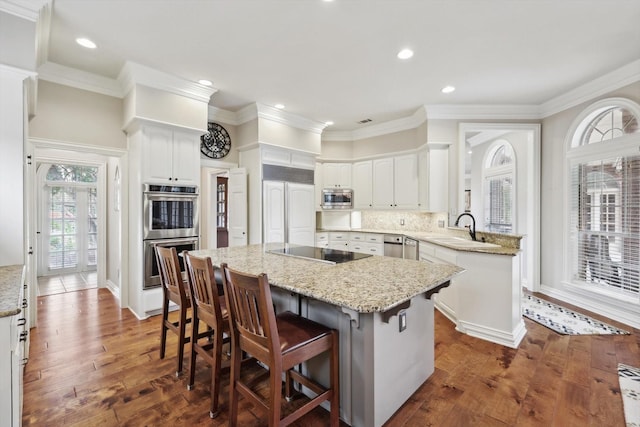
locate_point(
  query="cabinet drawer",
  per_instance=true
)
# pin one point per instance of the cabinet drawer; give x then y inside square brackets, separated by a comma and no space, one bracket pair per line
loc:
[338,236]
[322,237]
[358,237]
[374,238]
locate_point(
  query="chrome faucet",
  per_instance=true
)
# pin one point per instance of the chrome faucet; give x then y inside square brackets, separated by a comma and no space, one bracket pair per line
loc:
[472,228]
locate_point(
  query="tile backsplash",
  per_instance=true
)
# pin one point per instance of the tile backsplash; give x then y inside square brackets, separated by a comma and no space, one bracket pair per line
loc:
[403,220]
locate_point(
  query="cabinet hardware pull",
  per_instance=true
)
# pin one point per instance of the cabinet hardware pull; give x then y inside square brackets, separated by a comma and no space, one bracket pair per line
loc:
[22,321]
[25,360]
[24,303]
[23,335]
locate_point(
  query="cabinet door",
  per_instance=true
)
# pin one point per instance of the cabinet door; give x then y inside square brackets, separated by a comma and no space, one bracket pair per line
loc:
[158,154]
[362,185]
[383,183]
[336,175]
[186,158]
[406,182]
[318,184]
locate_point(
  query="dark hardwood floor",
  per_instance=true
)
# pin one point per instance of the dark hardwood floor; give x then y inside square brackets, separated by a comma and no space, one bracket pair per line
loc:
[93,364]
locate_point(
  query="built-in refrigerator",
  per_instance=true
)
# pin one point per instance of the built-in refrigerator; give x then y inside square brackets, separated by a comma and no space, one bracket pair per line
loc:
[289,213]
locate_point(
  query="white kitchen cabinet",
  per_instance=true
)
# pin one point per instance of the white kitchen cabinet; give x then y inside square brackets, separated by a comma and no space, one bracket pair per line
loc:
[395,182]
[322,239]
[362,185]
[485,300]
[336,175]
[170,156]
[13,341]
[367,243]
[339,240]
[283,157]
[433,170]
[318,184]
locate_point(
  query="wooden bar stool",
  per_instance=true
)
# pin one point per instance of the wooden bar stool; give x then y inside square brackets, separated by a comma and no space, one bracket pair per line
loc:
[279,342]
[209,308]
[173,290]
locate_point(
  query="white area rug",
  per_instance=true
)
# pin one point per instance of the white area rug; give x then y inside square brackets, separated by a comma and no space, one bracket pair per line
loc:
[629,378]
[563,320]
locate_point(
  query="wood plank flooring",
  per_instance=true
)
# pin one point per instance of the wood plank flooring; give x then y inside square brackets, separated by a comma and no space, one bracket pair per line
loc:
[93,364]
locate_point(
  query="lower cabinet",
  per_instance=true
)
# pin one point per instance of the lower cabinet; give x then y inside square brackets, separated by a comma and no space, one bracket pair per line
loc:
[13,336]
[368,243]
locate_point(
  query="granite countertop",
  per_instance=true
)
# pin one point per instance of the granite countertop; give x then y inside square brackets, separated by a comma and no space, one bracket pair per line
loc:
[504,247]
[10,284]
[374,284]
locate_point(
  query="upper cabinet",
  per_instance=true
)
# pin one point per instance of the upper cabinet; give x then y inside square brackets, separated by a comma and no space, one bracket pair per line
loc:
[336,175]
[170,156]
[395,182]
[413,181]
[434,179]
[362,186]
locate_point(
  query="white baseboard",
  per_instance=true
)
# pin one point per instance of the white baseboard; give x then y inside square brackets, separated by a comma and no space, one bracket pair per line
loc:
[509,339]
[447,311]
[622,312]
[114,289]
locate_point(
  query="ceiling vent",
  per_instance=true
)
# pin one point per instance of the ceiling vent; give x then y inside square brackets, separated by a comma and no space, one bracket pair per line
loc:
[364,121]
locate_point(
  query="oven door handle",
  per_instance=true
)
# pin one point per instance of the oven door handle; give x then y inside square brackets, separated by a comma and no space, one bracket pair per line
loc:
[170,196]
[172,242]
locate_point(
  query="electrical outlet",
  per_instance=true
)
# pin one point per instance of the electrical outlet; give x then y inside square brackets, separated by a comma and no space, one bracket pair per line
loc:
[402,321]
[441,223]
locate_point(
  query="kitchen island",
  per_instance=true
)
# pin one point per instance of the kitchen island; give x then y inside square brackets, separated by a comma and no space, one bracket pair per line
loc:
[380,305]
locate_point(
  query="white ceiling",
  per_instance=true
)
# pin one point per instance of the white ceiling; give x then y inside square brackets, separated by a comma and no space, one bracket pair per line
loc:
[337,60]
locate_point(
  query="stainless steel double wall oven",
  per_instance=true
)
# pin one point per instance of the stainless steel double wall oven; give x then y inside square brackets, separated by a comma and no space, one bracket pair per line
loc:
[171,215]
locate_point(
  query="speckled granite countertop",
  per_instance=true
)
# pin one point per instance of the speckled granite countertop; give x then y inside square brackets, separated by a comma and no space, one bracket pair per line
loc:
[10,283]
[505,248]
[373,284]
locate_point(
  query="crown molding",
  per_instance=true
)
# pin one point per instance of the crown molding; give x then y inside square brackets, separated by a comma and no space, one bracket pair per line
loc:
[262,111]
[56,73]
[29,10]
[392,126]
[482,112]
[216,114]
[133,74]
[43,31]
[616,79]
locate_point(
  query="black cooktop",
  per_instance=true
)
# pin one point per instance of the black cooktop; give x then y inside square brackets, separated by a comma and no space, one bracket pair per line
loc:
[332,256]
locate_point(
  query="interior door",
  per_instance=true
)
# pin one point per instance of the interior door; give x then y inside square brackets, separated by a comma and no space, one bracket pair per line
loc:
[237,207]
[301,214]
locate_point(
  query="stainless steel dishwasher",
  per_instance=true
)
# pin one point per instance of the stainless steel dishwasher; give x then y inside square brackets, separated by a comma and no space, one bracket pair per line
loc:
[393,245]
[411,248]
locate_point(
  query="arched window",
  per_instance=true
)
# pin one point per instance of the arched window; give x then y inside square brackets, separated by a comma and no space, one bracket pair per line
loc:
[604,186]
[499,200]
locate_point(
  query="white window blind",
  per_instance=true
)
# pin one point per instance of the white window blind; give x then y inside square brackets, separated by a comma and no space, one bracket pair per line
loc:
[605,223]
[498,205]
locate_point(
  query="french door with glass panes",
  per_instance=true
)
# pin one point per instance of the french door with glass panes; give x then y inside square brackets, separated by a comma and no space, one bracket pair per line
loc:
[72,228]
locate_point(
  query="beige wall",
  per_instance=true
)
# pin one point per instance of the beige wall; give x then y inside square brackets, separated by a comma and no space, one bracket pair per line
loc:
[78,116]
[157,105]
[282,135]
[390,143]
[337,150]
[555,129]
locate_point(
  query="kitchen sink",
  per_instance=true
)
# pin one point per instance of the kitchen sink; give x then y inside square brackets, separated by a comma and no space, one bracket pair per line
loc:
[459,242]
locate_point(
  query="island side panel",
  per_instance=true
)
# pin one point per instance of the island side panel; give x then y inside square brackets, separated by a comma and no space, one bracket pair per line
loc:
[389,365]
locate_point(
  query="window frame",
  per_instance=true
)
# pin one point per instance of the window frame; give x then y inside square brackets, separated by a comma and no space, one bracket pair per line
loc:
[627,145]
[504,170]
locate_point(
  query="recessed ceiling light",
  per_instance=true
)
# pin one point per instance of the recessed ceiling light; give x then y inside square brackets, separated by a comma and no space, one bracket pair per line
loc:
[448,89]
[204,82]
[86,43]
[470,152]
[279,106]
[329,123]
[405,54]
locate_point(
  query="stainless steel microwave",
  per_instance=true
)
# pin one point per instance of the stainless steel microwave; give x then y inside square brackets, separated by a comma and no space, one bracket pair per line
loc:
[337,198]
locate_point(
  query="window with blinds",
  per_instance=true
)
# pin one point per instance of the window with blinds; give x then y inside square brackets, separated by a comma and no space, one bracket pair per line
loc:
[498,188]
[605,219]
[604,223]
